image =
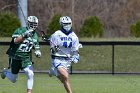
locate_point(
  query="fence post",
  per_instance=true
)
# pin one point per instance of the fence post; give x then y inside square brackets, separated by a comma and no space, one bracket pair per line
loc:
[113,59]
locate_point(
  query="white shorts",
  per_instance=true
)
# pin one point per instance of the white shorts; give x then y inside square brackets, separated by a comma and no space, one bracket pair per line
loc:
[58,63]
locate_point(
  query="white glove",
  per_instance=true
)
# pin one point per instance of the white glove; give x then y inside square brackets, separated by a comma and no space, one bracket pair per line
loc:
[27,34]
[38,53]
[75,58]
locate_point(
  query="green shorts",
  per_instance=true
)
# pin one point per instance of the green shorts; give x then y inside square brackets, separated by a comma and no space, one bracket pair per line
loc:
[17,65]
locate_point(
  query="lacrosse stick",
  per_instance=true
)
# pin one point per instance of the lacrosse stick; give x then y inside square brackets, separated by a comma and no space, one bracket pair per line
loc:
[46,38]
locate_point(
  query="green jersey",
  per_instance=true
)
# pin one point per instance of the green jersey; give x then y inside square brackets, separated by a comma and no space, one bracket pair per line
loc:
[23,49]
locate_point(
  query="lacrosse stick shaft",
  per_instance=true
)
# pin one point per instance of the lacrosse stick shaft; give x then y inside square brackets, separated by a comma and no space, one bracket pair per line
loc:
[24,19]
[43,35]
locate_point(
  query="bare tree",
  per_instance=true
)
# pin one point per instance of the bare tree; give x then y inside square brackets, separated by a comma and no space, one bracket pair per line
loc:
[116,15]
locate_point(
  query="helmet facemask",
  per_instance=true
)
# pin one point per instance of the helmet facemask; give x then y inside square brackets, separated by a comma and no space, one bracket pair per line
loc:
[66,23]
[32,25]
[32,22]
[67,26]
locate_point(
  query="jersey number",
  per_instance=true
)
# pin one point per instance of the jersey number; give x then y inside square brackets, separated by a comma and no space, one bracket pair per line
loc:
[67,45]
[26,46]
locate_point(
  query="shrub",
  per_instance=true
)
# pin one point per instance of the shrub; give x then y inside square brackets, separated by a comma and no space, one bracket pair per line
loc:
[135,29]
[92,27]
[8,23]
[53,24]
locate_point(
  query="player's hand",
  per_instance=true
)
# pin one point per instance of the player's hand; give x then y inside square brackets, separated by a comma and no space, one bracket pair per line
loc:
[45,38]
[75,59]
[55,49]
[27,34]
[38,53]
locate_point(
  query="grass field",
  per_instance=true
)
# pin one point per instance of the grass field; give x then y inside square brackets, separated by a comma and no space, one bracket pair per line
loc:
[93,58]
[80,84]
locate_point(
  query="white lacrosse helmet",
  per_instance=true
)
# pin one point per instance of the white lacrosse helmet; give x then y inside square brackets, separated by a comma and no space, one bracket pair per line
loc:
[32,22]
[66,23]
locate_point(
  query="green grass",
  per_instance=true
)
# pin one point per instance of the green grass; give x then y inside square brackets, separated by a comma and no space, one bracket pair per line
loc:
[80,84]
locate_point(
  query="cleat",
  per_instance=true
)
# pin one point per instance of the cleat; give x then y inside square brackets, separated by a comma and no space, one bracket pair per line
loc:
[3,73]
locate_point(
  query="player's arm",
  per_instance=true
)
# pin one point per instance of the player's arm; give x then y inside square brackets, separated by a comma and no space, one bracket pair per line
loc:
[54,43]
[37,48]
[75,57]
[18,39]
[19,36]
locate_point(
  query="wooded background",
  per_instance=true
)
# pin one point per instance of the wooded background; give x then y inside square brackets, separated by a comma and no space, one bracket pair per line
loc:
[116,15]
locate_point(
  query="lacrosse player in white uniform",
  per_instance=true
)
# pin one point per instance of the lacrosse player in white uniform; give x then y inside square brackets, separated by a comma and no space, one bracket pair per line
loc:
[64,45]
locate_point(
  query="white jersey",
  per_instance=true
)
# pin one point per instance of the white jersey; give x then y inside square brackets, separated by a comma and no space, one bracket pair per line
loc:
[67,43]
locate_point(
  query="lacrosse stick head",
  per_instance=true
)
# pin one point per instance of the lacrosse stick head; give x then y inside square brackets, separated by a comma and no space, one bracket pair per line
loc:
[32,22]
[44,36]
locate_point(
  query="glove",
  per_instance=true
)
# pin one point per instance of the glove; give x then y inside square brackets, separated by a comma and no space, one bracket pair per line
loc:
[38,53]
[55,49]
[45,38]
[75,58]
[27,34]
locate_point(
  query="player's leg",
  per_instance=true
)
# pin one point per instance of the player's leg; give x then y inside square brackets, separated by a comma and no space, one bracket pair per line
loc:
[3,76]
[64,78]
[12,74]
[56,63]
[29,73]
[28,69]
[59,69]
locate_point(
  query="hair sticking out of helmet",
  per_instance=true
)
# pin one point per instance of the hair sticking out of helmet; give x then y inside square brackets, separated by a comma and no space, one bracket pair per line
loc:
[32,22]
[66,23]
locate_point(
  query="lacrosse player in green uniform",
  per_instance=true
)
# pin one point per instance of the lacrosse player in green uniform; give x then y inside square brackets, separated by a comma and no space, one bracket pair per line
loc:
[23,40]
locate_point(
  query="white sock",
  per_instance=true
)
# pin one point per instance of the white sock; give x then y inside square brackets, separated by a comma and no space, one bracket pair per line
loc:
[29,73]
